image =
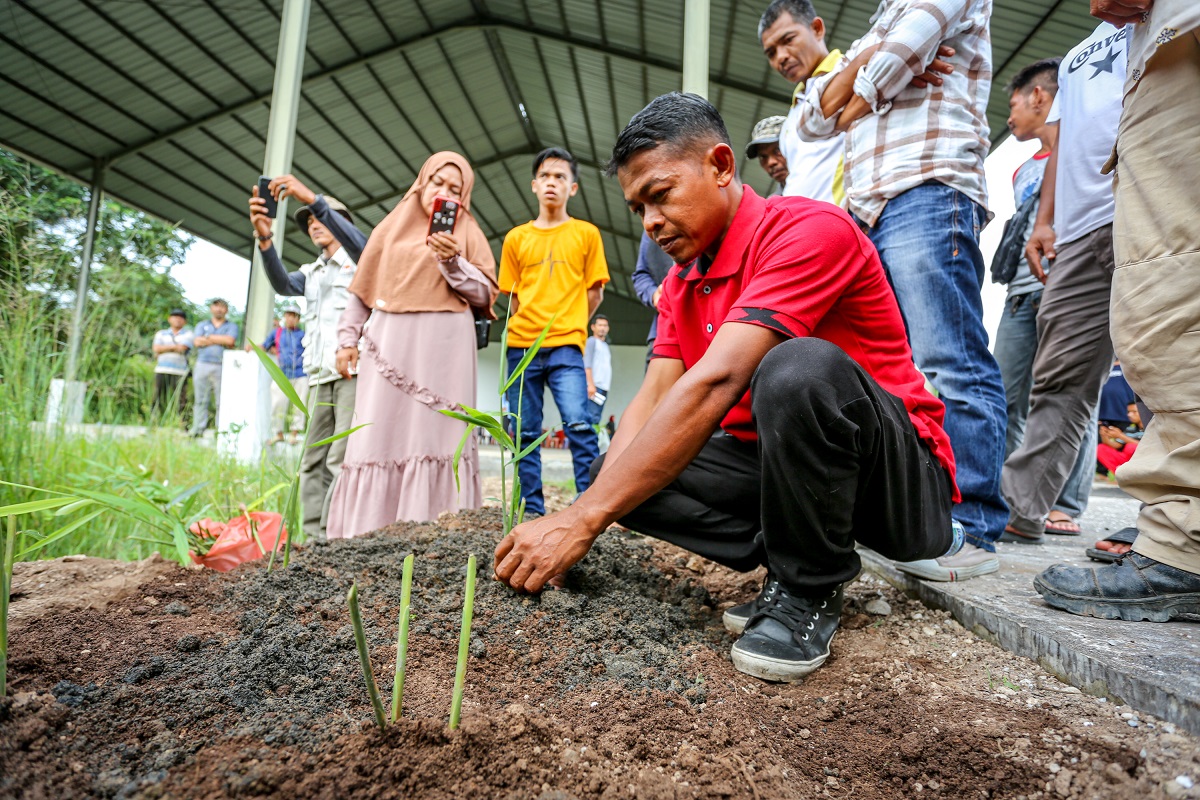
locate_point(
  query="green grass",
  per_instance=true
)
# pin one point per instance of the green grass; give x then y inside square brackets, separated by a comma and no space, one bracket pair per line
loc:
[56,459]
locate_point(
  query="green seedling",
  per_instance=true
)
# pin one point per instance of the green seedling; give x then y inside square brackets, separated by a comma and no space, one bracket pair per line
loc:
[464,644]
[364,657]
[402,638]
[10,539]
[291,514]
[511,450]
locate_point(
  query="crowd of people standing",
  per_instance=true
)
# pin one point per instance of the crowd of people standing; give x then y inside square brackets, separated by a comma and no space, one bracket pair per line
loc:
[818,373]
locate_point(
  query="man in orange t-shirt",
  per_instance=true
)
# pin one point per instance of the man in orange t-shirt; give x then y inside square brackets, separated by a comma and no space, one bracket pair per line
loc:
[553,271]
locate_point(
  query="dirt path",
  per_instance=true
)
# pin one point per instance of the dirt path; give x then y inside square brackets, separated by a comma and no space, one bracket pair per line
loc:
[247,684]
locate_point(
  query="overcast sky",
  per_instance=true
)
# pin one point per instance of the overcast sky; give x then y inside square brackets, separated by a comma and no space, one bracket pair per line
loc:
[210,271]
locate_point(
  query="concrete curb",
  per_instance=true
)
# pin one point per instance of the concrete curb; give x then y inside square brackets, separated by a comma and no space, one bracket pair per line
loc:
[1152,667]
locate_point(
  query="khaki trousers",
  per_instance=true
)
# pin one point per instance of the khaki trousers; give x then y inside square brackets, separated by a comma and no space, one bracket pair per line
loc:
[1156,297]
[331,411]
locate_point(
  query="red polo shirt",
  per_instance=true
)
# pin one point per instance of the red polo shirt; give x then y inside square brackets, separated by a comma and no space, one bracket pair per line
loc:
[802,268]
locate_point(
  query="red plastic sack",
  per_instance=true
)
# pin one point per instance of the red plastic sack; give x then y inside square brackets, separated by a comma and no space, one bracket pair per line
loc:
[235,543]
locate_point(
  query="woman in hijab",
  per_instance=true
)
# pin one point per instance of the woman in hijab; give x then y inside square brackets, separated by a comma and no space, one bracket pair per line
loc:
[410,306]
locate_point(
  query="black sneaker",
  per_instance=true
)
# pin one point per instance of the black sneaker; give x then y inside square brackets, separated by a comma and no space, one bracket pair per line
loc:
[787,637]
[736,617]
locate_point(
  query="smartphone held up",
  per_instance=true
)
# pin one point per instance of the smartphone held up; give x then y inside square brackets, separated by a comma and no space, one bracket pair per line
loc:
[444,215]
[264,194]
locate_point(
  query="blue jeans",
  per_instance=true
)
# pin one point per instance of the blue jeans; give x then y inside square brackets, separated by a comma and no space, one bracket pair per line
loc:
[595,411]
[928,240]
[562,369]
[1016,347]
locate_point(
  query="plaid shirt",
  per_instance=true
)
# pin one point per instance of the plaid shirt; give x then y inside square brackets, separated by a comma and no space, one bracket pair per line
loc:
[914,135]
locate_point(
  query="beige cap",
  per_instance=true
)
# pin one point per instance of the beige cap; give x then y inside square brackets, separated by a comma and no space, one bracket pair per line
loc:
[765,132]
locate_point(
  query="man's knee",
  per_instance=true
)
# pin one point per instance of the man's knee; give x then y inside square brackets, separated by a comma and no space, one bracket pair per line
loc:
[792,372]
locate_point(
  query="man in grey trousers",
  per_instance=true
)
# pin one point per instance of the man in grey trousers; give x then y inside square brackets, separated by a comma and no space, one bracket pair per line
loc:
[1074,227]
[324,283]
[212,338]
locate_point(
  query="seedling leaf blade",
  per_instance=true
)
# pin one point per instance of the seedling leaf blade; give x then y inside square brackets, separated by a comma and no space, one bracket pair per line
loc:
[364,655]
[464,645]
[280,379]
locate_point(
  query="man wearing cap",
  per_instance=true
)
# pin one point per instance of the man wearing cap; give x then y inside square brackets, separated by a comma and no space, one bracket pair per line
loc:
[212,338]
[793,40]
[324,284]
[171,346]
[764,145]
[288,341]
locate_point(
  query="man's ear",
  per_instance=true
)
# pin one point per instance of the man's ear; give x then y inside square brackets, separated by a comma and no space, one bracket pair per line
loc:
[533,186]
[574,189]
[723,161]
[818,28]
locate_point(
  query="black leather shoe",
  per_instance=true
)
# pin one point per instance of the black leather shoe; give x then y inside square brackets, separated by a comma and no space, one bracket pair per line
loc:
[787,637]
[1133,588]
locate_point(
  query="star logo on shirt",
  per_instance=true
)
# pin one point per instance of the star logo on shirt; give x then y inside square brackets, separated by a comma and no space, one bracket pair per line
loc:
[1103,65]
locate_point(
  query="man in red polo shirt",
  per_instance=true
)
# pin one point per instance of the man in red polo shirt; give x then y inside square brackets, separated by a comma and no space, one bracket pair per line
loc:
[836,442]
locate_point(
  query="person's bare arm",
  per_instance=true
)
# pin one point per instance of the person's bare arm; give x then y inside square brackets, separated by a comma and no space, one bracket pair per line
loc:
[221,339]
[163,348]
[595,298]
[1041,241]
[543,548]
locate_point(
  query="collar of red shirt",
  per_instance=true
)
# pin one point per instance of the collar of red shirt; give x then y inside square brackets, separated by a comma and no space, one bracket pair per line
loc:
[737,239]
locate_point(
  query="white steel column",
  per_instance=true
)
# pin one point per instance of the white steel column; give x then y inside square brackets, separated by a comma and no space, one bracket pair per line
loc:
[281,133]
[75,339]
[695,46]
[244,412]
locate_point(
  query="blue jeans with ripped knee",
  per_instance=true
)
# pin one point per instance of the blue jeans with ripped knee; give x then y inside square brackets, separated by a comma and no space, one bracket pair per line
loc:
[560,368]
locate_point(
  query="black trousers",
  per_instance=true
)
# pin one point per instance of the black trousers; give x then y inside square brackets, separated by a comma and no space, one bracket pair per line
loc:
[837,462]
[168,391]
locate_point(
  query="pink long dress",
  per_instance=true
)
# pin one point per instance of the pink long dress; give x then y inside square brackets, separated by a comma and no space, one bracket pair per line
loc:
[410,365]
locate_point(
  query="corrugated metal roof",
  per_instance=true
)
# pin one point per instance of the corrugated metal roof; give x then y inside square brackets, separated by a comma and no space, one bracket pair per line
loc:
[174,95]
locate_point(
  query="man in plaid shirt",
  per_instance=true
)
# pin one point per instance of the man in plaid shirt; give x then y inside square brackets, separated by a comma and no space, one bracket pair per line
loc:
[912,95]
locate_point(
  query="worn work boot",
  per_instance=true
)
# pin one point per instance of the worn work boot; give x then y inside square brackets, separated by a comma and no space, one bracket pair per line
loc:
[1133,588]
[787,637]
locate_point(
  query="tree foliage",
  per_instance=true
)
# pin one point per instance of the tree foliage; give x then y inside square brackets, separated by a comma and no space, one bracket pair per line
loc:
[43,218]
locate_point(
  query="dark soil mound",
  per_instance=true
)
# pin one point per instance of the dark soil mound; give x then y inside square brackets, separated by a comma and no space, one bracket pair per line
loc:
[246,684]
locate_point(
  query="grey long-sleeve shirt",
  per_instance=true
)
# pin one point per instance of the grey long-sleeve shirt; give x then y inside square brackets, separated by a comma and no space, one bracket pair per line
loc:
[291,284]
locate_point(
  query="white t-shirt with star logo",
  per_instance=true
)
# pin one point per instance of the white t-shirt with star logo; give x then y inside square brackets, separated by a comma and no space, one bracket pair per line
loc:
[1087,109]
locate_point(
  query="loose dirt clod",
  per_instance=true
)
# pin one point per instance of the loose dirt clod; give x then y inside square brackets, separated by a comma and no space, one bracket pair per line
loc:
[620,686]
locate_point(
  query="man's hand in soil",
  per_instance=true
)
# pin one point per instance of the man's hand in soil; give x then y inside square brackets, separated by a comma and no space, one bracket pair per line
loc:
[539,550]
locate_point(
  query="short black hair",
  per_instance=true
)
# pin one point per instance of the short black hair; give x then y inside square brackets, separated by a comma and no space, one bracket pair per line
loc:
[676,119]
[1042,73]
[599,317]
[560,153]
[800,10]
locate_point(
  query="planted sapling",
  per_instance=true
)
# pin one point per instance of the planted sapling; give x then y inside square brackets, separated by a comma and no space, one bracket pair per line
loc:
[464,645]
[364,656]
[402,638]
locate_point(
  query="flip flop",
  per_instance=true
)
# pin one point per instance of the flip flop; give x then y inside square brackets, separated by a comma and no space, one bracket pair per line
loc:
[1123,536]
[1063,527]
[1011,534]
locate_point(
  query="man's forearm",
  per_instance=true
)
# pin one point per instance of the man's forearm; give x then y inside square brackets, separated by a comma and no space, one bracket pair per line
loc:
[595,298]
[840,89]
[224,341]
[661,449]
